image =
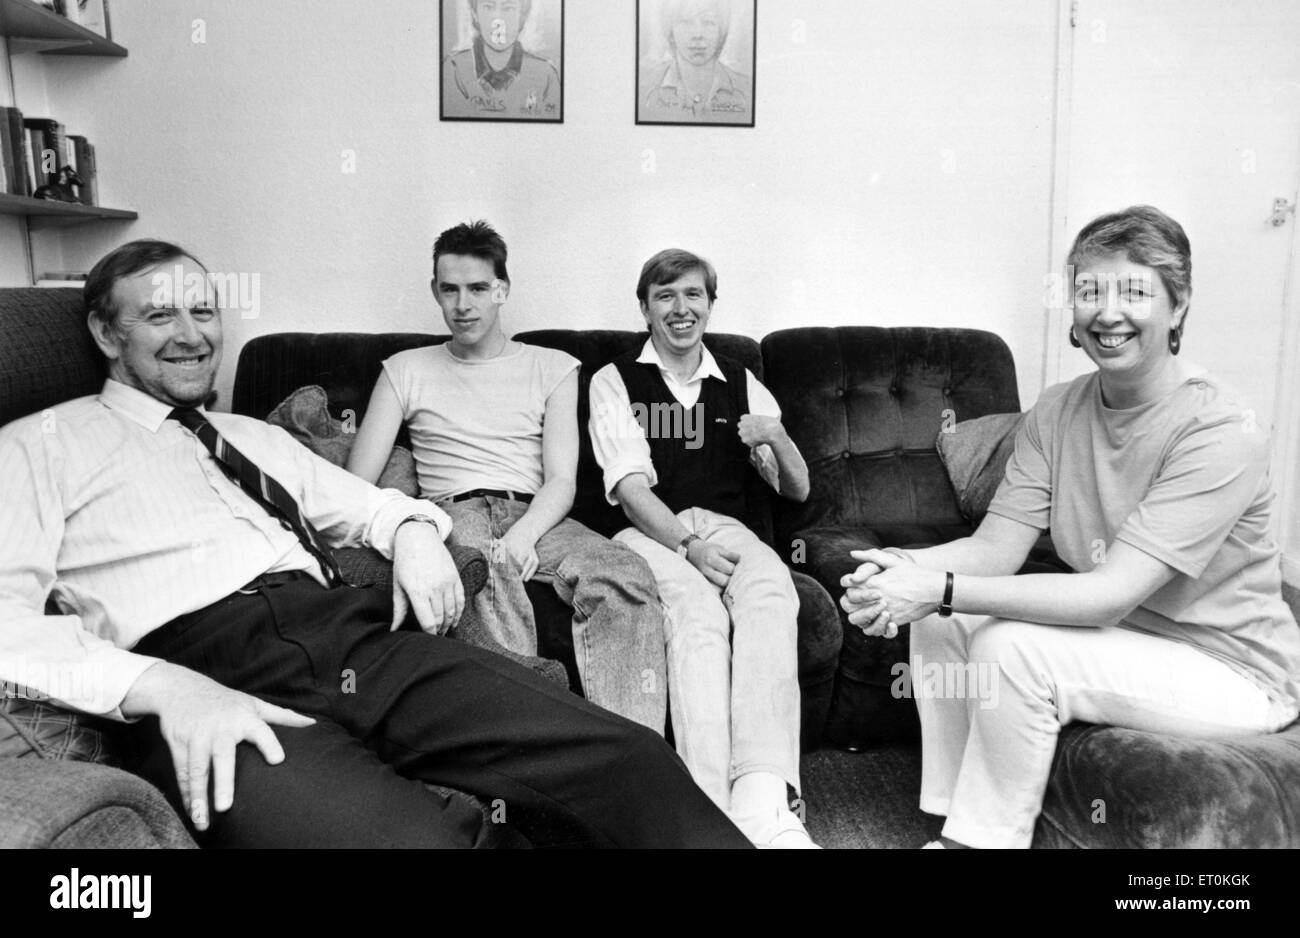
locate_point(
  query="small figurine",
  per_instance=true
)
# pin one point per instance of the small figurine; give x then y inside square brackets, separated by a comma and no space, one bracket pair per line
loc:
[61,189]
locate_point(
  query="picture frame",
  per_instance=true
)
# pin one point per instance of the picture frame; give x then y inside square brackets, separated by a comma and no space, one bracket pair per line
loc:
[501,60]
[696,62]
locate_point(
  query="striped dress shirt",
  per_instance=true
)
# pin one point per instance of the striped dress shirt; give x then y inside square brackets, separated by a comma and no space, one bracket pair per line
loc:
[123,520]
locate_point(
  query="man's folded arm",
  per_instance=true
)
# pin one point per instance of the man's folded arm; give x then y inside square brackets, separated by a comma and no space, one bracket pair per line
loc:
[351,512]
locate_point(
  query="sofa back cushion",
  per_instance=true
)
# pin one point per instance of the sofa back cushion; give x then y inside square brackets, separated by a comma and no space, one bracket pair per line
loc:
[46,353]
[865,405]
[345,364]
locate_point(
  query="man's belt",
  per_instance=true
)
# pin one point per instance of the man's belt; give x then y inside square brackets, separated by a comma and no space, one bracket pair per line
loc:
[493,493]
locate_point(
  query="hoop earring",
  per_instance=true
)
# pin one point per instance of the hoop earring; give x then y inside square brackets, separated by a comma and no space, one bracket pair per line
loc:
[1074,339]
[1175,340]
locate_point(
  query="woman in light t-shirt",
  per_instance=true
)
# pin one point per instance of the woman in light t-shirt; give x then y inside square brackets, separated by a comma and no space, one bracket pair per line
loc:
[1154,481]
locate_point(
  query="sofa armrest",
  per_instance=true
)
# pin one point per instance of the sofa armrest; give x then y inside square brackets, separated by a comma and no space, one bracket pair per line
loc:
[54,803]
[820,638]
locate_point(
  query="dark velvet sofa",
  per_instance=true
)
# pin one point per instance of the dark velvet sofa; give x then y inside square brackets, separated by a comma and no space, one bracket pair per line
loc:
[865,406]
[347,365]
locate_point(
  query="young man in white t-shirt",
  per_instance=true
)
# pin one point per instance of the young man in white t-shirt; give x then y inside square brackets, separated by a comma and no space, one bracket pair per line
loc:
[493,425]
[731,605]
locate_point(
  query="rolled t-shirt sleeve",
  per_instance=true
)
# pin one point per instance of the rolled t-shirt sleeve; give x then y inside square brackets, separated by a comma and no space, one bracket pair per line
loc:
[1209,480]
[1025,494]
[400,378]
[556,366]
[617,440]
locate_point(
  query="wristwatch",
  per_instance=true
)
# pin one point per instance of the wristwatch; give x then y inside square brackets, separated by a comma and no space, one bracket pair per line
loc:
[422,519]
[684,547]
[945,606]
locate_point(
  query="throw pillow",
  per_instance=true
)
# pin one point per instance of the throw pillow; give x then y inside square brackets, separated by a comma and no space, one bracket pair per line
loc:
[305,415]
[975,453]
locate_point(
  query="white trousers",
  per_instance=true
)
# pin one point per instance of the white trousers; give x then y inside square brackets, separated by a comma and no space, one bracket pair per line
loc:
[993,695]
[733,670]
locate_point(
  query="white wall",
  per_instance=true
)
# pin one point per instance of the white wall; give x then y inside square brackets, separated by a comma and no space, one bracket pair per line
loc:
[899,172]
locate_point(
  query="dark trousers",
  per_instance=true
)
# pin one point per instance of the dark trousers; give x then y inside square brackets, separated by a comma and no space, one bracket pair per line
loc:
[395,709]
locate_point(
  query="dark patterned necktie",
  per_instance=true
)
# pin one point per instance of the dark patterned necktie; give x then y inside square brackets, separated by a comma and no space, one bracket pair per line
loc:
[269,493]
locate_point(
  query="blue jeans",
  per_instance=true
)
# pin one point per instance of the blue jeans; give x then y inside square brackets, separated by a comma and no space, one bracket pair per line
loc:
[618,622]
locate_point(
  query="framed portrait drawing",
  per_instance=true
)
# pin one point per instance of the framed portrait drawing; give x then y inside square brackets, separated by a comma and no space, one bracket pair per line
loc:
[695,62]
[502,60]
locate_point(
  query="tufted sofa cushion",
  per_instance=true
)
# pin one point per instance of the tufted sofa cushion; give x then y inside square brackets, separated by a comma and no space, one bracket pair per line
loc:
[865,405]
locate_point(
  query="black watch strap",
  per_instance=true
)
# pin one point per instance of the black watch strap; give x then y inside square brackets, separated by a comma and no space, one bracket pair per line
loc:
[945,606]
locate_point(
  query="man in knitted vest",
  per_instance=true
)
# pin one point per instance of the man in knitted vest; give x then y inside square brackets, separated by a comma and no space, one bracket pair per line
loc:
[682,435]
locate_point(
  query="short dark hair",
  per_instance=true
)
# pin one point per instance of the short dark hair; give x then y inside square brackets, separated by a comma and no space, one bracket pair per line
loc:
[669,266]
[475,239]
[1146,236]
[123,262]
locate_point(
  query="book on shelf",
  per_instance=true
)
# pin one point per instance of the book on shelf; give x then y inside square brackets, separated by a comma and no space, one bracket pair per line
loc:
[38,148]
[7,178]
[45,141]
[16,150]
[84,157]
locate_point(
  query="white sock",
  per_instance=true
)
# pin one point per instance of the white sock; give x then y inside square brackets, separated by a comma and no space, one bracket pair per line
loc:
[758,794]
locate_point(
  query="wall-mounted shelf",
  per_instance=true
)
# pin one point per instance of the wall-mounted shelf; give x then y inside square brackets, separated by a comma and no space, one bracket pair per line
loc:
[50,214]
[32,27]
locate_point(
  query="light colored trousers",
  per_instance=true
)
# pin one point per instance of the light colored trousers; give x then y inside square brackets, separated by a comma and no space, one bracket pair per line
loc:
[618,635]
[733,671]
[993,695]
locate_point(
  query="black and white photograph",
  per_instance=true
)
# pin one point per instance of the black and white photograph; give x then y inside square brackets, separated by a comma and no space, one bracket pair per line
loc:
[503,60]
[912,467]
[695,62]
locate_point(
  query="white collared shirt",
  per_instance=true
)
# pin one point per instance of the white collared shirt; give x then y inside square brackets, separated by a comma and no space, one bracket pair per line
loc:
[618,440]
[125,520]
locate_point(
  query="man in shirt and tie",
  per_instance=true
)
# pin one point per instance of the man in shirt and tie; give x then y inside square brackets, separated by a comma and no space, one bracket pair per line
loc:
[691,498]
[179,557]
